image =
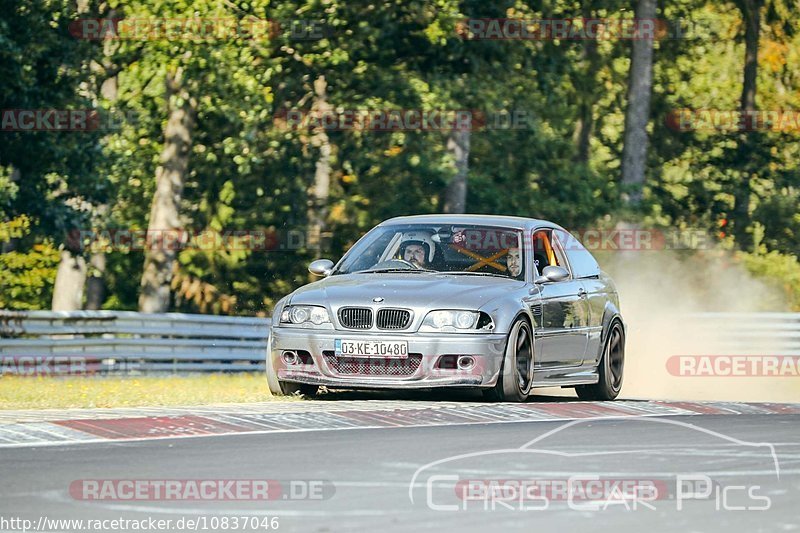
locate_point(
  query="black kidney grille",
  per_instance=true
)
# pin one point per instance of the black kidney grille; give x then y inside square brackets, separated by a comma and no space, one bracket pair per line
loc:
[355,317]
[393,318]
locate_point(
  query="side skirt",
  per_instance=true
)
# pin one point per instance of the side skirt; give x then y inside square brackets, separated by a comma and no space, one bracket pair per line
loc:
[565,376]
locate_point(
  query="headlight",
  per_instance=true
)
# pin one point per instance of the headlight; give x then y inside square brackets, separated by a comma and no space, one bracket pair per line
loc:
[305,315]
[446,320]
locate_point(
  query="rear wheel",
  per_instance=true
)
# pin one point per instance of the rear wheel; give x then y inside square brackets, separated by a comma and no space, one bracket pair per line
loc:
[516,372]
[290,389]
[610,369]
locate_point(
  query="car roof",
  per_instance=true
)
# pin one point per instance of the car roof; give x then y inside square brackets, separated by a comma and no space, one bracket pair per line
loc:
[493,220]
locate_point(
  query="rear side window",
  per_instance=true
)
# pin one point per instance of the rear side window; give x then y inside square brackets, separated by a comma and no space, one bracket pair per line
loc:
[582,262]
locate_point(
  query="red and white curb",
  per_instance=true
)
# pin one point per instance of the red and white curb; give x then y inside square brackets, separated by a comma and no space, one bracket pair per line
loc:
[278,417]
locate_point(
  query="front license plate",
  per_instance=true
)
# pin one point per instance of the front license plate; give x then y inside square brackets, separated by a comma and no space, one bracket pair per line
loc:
[394,349]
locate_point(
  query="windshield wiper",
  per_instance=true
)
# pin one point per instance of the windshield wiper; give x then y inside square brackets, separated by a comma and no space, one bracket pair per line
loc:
[466,272]
[384,270]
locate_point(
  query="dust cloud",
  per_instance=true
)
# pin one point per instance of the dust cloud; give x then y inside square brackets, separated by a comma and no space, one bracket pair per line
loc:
[661,294]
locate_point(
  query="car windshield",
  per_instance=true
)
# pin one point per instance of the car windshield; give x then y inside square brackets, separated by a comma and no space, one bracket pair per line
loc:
[419,248]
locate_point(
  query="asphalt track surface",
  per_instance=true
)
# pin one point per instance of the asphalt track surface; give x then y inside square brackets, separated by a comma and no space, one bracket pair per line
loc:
[386,478]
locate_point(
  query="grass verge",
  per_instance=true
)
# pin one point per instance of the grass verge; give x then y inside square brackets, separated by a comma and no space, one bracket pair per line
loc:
[87,392]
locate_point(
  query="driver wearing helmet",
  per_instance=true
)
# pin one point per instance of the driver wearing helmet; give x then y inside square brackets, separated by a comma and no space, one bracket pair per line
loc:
[417,248]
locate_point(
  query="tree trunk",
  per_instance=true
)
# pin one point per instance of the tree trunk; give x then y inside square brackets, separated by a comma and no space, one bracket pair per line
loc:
[316,237]
[109,88]
[750,13]
[70,280]
[583,132]
[458,144]
[164,214]
[13,242]
[71,273]
[637,114]
[95,284]
[587,95]
[747,105]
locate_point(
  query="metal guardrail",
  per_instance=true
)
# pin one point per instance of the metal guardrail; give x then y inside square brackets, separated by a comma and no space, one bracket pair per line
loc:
[754,333]
[55,342]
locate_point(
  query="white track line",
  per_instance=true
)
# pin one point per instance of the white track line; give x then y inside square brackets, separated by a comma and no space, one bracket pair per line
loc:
[308,430]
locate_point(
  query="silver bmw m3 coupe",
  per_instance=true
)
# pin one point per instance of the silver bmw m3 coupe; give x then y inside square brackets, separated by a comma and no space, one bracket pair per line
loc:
[503,304]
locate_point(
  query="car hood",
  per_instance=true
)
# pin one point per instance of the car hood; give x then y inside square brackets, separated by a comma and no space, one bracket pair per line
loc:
[432,291]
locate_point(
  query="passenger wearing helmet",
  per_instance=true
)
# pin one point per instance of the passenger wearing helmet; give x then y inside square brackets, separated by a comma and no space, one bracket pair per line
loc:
[417,248]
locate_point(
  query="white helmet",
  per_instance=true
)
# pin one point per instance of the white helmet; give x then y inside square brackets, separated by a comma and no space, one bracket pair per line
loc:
[409,237]
[419,237]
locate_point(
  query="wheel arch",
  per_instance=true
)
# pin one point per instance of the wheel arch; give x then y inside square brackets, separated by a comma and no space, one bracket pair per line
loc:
[505,312]
[611,314]
[523,313]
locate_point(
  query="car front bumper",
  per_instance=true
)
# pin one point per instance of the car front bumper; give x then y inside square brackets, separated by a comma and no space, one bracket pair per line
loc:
[427,349]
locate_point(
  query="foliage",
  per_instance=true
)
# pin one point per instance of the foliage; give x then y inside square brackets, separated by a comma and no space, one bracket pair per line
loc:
[250,171]
[26,278]
[777,269]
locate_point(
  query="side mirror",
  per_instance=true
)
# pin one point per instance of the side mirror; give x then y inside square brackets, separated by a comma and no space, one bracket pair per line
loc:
[553,273]
[321,267]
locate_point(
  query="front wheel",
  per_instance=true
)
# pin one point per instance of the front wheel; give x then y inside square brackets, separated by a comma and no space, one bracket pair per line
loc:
[516,372]
[610,368]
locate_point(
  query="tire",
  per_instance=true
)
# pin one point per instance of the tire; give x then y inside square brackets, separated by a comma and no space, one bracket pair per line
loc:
[292,389]
[610,368]
[516,372]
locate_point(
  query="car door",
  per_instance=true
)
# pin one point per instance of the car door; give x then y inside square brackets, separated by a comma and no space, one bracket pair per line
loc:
[587,271]
[596,297]
[562,334]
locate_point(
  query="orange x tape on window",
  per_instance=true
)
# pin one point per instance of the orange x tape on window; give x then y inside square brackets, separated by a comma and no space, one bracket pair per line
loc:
[481,260]
[542,242]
